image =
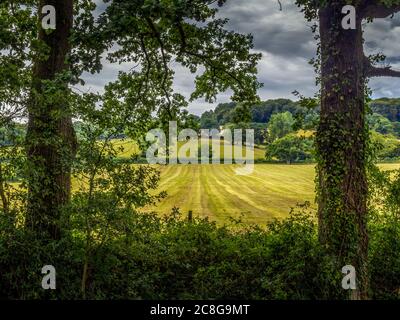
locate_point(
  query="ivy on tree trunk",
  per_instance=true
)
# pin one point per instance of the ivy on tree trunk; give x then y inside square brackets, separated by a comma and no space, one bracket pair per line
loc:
[342,137]
[51,140]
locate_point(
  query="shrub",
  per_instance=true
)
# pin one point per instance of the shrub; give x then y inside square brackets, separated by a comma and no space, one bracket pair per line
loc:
[171,258]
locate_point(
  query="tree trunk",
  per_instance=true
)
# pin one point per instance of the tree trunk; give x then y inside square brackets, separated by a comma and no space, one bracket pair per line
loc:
[51,140]
[3,196]
[341,145]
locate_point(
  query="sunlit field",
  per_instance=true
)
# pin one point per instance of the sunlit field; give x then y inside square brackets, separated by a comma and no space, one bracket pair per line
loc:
[127,148]
[217,192]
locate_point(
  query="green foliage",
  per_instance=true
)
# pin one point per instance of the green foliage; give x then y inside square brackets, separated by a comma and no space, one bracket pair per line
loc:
[12,160]
[380,124]
[135,255]
[297,254]
[208,120]
[385,258]
[12,134]
[186,32]
[389,108]
[280,125]
[260,112]
[170,258]
[305,111]
[108,246]
[241,114]
[384,225]
[386,147]
[190,121]
[291,148]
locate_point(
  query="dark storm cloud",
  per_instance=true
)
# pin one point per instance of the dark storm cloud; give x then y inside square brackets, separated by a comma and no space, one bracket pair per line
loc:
[385,34]
[283,33]
[287,44]
[285,40]
[393,60]
[395,21]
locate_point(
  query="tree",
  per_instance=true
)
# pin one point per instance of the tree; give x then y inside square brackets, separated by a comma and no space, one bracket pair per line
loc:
[260,132]
[190,121]
[208,120]
[290,148]
[17,27]
[389,108]
[179,32]
[280,125]
[51,141]
[380,124]
[261,112]
[385,146]
[149,34]
[342,139]
[241,114]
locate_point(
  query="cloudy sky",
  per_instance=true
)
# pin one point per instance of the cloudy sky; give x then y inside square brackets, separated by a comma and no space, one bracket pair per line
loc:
[286,42]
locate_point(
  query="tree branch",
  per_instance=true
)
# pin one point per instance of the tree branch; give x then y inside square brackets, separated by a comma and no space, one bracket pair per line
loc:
[165,64]
[371,71]
[373,9]
[382,72]
[2,192]
[205,58]
[182,35]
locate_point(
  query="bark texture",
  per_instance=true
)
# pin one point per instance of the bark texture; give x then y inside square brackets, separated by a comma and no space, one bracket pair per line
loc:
[341,143]
[51,140]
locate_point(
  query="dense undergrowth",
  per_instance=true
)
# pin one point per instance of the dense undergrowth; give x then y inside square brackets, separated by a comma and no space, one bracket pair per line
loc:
[172,258]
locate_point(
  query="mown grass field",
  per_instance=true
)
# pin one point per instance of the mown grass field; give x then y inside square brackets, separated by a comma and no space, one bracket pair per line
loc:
[215,191]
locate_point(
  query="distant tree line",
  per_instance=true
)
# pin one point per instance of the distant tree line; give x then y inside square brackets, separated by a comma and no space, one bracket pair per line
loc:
[258,113]
[287,127]
[387,107]
[224,113]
